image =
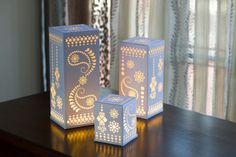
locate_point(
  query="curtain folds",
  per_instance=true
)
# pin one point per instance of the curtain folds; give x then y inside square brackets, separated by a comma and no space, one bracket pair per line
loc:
[200,56]
[200,48]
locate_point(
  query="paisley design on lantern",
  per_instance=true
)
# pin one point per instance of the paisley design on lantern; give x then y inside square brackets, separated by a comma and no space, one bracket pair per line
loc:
[88,66]
[126,89]
[78,98]
[129,120]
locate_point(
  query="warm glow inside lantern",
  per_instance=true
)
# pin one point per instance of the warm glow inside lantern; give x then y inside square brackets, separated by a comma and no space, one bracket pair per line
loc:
[141,74]
[115,119]
[74,74]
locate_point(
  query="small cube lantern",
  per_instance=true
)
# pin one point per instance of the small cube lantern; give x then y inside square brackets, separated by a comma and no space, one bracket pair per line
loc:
[74,74]
[141,74]
[115,119]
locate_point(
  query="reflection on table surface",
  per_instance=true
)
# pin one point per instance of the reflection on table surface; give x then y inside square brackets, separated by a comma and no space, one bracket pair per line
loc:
[81,140]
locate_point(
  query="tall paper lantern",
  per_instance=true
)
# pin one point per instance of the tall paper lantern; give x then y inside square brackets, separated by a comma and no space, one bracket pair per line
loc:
[141,74]
[74,74]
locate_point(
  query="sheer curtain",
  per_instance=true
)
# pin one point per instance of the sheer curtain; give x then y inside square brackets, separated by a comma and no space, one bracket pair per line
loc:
[200,50]
[201,56]
[200,40]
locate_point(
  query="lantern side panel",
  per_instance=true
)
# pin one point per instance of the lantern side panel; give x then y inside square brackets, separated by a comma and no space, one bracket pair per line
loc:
[108,123]
[57,97]
[129,122]
[133,74]
[155,78]
[79,72]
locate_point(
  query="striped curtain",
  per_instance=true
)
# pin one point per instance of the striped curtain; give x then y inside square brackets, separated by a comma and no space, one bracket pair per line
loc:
[200,40]
[200,74]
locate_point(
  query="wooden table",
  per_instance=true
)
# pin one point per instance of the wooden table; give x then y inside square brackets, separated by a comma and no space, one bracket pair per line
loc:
[26,130]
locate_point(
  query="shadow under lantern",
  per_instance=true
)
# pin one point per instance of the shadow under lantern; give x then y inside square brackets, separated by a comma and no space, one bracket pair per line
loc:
[141,74]
[74,74]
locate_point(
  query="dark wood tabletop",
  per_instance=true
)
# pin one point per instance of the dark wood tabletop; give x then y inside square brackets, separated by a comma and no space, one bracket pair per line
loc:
[25,126]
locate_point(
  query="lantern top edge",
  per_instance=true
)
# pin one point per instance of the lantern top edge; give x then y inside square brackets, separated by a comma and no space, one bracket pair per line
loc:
[73,28]
[116,99]
[144,41]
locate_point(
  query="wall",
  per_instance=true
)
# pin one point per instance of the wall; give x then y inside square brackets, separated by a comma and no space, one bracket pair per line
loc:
[20,55]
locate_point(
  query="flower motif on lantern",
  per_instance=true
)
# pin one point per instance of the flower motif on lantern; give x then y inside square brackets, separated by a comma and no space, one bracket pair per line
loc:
[114,127]
[114,113]
[83,80]
[139,76]
[130,64]
[74,58]
[90,101]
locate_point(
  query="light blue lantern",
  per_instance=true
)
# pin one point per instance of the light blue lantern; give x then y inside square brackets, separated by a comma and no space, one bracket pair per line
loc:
[115,119]
[141,73]
[74,74]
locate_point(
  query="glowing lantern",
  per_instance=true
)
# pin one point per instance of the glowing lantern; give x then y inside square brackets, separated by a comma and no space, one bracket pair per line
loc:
[74,74]
[141,74]
[115,119]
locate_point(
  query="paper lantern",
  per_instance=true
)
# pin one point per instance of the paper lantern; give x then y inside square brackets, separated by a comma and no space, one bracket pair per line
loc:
[115,119]
[74,74]
[141,74]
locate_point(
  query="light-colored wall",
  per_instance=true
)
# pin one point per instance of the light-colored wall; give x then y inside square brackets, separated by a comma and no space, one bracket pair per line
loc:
[20,58]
